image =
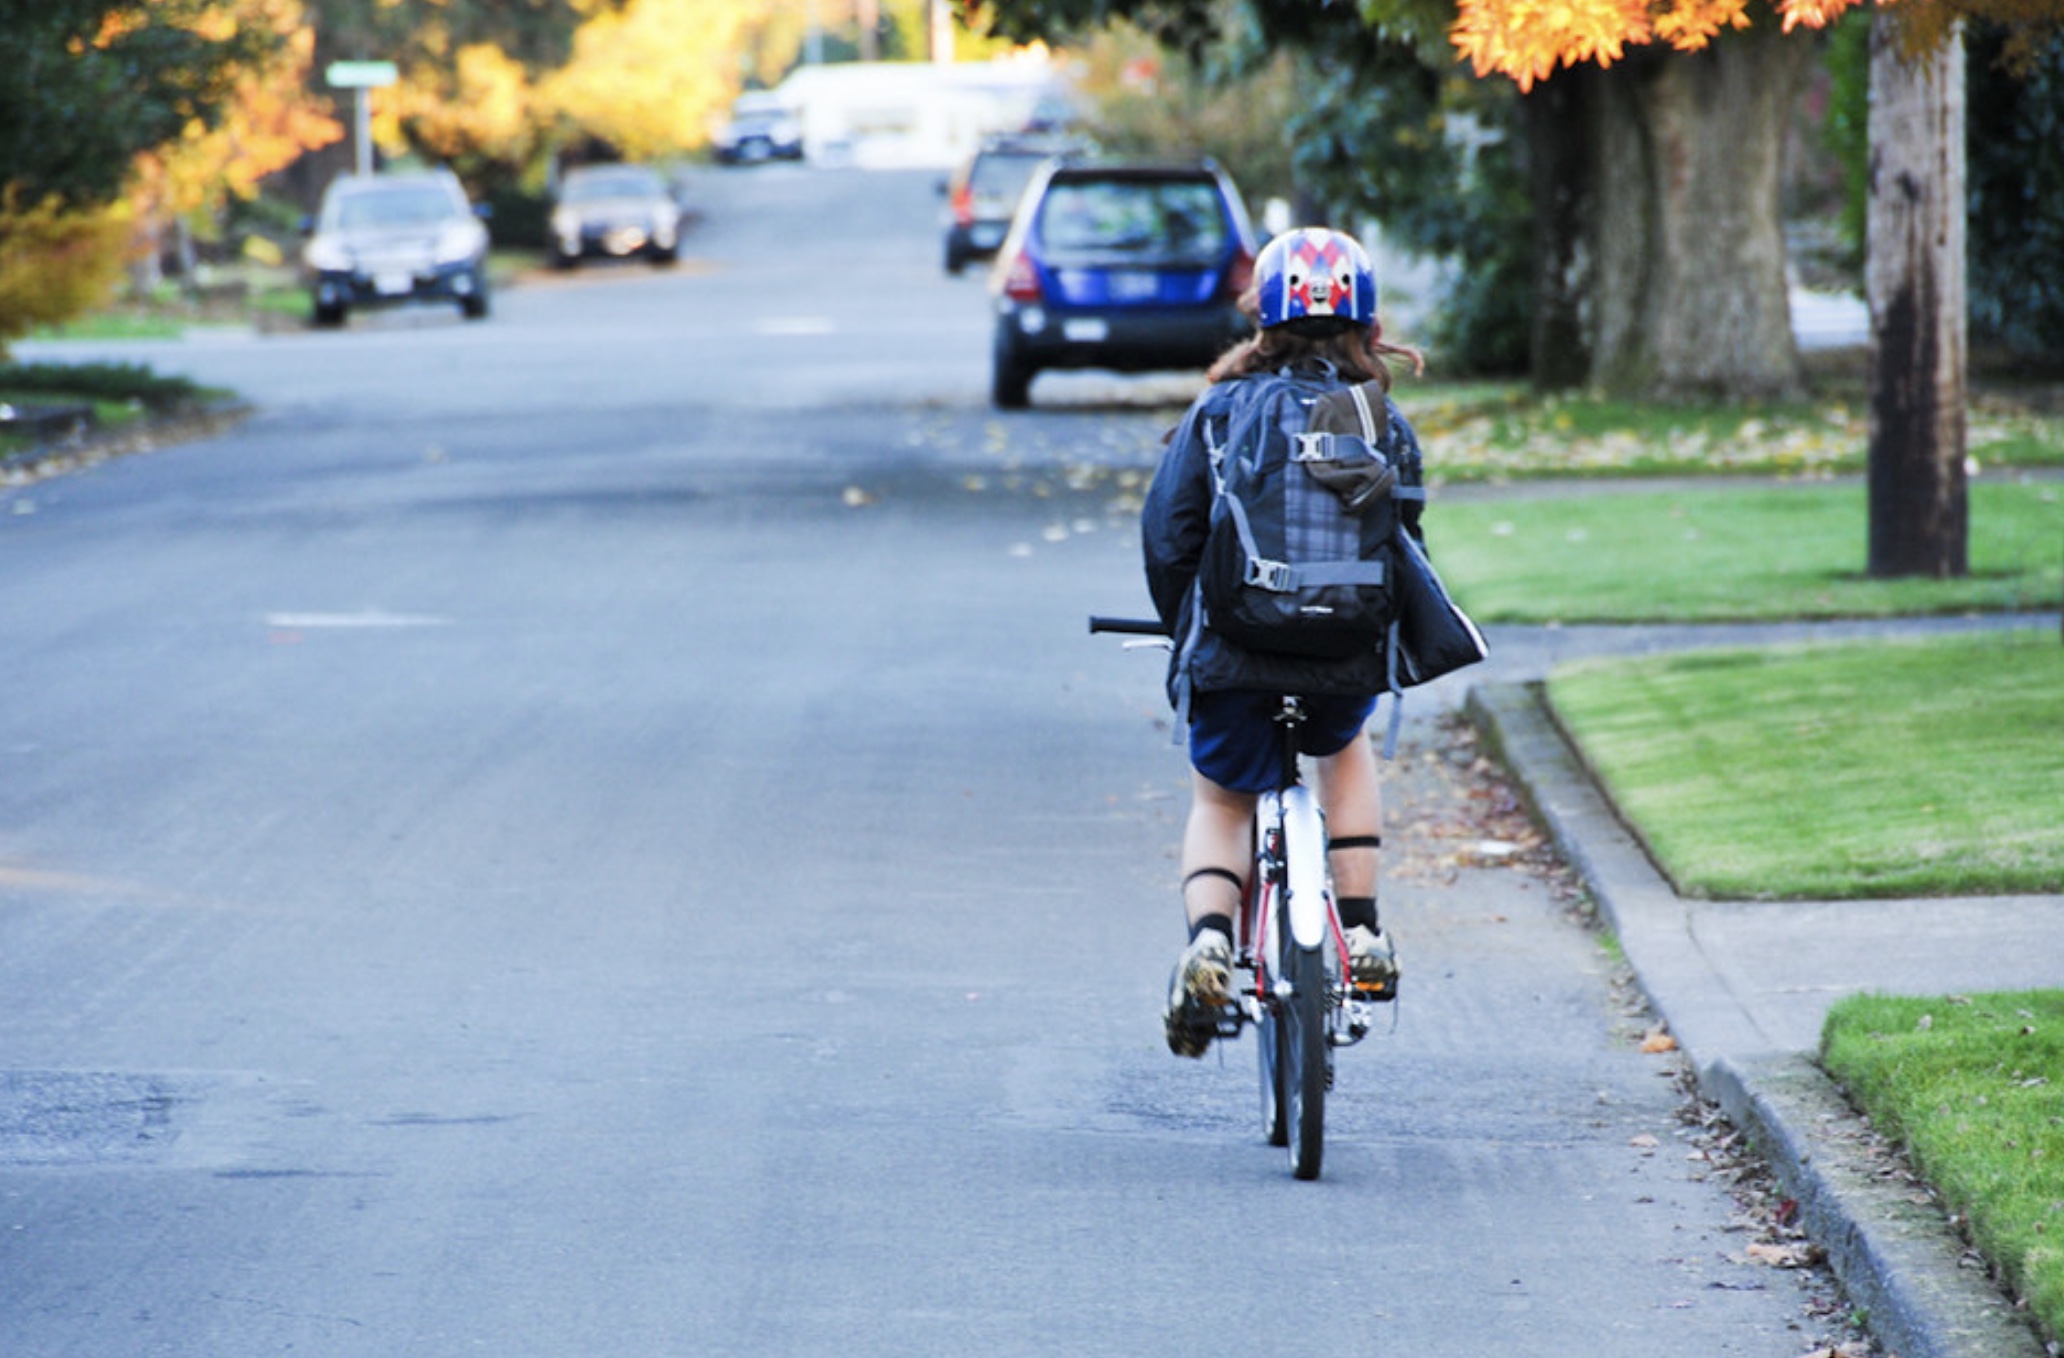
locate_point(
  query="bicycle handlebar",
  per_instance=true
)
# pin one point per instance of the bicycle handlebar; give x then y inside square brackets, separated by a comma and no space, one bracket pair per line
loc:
[1139,627]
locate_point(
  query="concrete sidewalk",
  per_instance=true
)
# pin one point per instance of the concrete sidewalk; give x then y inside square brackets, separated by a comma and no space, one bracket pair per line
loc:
[1744,988]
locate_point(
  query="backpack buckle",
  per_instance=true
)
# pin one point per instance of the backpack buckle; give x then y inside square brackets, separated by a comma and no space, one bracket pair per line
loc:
[1312,447]
[1273,576]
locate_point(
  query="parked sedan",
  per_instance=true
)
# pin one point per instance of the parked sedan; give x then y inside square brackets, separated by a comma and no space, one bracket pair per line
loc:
[1128,266]
[386,240]
[613,212]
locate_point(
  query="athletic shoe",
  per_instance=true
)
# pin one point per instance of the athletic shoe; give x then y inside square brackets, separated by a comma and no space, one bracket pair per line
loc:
[1372,962]
[1200,987]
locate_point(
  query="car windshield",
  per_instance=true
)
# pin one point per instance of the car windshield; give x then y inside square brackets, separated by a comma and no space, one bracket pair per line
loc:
[396,205]
[1001,175]
[586,188]
[1163,221]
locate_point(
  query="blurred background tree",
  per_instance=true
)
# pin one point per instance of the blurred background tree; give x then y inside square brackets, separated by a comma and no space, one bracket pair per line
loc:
[85,87]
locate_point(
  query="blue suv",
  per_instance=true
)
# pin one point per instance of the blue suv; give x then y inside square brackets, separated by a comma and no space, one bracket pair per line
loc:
[1121,265]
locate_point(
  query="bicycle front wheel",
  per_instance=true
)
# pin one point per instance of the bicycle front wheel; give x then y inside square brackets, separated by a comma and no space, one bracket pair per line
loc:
[1275,1118]
[1302,1058]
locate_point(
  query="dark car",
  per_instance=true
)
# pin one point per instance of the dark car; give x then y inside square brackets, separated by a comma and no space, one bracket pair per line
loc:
[613,212]
[1133,267]
[983,194]
[387,240]
[761,127]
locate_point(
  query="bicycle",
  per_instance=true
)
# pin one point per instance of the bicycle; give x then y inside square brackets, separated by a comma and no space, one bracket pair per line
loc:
[1290,943]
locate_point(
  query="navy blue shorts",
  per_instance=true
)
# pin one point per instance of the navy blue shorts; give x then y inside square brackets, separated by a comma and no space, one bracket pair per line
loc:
[1233,739]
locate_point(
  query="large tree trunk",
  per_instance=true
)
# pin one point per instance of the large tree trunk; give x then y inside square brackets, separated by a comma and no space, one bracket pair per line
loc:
[1691,297]
[1914,276]
[1559,178]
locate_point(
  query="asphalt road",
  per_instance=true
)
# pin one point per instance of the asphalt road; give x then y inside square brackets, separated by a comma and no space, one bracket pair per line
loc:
[602,832]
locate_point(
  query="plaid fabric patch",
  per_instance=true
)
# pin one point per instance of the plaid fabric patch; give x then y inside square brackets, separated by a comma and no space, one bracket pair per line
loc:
[1315,528]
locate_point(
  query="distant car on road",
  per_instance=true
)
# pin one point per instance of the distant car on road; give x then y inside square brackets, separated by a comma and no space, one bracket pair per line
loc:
[387,240]
[983,193]
[762,127]
[1123,265]
[613,212]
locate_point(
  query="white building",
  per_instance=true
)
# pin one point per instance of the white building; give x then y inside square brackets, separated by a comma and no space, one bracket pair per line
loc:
[901,114]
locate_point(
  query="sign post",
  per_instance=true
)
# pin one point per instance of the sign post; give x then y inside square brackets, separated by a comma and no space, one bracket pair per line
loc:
[360,76]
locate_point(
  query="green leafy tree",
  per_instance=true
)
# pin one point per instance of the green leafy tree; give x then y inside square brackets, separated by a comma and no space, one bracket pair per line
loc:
[2016,183]
[85,86]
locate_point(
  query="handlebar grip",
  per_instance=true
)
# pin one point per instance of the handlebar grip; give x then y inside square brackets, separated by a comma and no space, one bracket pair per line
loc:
[1139,627]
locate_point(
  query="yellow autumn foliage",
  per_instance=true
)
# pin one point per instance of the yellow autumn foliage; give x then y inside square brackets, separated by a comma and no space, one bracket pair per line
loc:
[650,77]
[269,123]
[54,262]
[484,104]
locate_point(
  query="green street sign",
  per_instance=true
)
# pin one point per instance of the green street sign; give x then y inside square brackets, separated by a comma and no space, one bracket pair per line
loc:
[360,75]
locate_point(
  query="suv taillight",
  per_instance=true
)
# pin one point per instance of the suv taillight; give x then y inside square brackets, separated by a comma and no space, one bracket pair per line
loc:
[964,205]
[1021,280]
[1239,275]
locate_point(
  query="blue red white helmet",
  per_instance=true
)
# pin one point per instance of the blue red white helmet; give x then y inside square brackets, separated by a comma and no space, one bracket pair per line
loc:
[1315,274]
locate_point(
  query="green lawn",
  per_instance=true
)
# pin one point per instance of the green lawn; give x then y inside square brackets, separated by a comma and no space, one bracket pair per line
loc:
[1716,553]
[1480,432]
[1870,769]
[1973,1087]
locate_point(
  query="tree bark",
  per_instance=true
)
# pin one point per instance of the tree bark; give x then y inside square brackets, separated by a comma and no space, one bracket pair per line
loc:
[1692,298]
[1914,278]
[1559,178]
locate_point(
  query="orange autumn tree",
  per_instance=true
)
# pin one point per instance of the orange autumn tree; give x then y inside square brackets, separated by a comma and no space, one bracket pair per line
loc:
[1529,39]
[270,119]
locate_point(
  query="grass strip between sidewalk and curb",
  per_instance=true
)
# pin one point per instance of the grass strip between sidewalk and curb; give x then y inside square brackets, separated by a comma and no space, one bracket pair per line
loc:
[1875,769]
[1973,1088]
[1723,553]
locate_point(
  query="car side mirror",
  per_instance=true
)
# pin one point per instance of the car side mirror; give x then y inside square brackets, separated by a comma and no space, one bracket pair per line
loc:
[308,226]
[484,211]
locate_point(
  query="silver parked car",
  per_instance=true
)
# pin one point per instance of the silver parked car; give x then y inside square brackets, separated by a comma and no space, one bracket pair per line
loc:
[386,240]
[613,212]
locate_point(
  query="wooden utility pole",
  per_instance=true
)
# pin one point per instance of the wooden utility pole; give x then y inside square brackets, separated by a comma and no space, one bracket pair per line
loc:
[1914,278]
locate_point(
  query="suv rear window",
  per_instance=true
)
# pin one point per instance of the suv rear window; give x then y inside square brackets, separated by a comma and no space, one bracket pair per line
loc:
[1161,221]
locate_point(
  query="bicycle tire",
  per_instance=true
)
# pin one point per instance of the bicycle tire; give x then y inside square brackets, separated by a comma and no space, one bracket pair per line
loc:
[1303,1060]
[1275,1121]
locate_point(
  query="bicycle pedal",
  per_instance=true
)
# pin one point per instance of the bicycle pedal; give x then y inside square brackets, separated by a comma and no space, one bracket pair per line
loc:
[1375,992]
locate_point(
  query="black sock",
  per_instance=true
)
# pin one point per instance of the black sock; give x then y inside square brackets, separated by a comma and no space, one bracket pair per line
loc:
[1357,910]
[1222,923]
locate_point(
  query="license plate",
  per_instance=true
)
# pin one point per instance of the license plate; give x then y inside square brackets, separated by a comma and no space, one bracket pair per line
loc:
[987,237]
[1134,287]
[392,284]
[1086,329]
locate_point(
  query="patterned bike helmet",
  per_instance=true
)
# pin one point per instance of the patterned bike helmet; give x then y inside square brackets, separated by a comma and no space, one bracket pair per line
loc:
[1315,279]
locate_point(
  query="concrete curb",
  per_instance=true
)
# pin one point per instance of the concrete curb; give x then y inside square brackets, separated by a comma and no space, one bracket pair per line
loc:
[1892,1248]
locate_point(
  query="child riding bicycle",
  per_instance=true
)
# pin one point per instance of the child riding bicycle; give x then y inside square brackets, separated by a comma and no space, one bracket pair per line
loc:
[1314,303]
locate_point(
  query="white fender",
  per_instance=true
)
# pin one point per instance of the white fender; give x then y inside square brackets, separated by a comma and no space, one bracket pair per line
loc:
[1305,830]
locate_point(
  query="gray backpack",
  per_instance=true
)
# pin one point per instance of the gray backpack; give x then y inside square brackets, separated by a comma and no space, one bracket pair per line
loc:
[1300,558]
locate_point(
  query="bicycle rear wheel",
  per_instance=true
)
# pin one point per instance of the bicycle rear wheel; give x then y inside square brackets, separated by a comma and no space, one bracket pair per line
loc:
[1302,1060]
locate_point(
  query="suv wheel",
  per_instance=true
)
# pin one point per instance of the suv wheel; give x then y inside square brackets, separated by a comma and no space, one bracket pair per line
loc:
[1010,381]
